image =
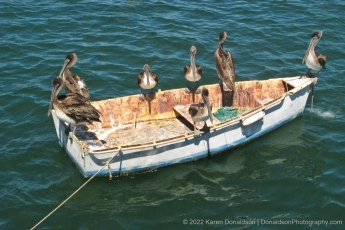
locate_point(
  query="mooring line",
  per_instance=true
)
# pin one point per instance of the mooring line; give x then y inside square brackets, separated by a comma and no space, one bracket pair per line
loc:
[106,164]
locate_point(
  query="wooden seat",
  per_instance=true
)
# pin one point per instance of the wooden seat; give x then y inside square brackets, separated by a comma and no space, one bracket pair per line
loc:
[183,111]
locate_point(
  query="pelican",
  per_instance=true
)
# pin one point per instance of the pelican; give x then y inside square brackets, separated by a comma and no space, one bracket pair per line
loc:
[146,80]
[313,60]
[71,108]
[201,111]
[224,63]
[73,83]
[192,72]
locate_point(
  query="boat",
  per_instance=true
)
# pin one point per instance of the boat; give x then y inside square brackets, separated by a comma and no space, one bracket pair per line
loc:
[136,135]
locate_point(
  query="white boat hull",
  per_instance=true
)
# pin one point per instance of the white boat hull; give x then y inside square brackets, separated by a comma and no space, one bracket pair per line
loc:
[224,137]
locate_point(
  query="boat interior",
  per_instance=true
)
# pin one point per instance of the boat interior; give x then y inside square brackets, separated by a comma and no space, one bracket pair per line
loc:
[163,116]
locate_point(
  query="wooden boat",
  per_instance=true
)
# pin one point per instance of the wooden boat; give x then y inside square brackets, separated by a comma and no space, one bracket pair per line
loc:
[159,131]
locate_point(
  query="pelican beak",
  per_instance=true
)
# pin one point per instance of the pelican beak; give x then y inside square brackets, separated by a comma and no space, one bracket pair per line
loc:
[64,67]
[192,64]
[51,100]
[208,107]
[147,72]
[312,44]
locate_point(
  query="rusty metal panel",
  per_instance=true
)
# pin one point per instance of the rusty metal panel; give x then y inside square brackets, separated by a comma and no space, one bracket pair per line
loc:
[125,110]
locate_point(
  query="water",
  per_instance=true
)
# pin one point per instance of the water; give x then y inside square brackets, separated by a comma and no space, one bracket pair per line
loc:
[293,173]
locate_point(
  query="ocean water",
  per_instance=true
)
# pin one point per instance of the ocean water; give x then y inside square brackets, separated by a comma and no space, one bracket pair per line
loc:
[294,174]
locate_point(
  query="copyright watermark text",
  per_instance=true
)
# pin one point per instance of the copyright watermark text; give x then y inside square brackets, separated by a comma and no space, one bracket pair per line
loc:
[261,222]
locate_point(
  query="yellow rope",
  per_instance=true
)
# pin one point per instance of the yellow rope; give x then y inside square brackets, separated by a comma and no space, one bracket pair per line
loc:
[106,164]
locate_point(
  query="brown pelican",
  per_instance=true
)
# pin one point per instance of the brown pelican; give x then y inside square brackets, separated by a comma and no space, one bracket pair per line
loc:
[224,63]
[146,80]
[72,108]
[201,111]
[313,60]
[192,72]
[73,83]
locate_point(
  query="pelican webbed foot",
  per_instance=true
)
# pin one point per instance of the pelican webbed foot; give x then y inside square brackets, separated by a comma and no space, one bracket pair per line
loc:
[71,134]
[142,97]
[197,90]
[205,128]
[68,130]
[197,133]
[308,75]
[152,95]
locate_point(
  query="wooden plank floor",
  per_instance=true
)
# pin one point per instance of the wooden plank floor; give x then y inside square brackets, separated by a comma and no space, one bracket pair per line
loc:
[144,132]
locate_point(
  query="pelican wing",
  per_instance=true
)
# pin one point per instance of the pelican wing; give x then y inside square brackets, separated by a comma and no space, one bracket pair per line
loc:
[225,67]
[322,60]
[141,76]
[74,84]
[84,91]
[154,76]
[78,107]
[72,99]
[70,84]
[230,67]
[194,109]
[199,70]
[186,68]
[83,112]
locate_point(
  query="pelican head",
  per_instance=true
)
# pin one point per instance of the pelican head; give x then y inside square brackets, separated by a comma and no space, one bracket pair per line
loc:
[146,69]
[192,60]
[317,34]
[204,94]
[56,87]
[315,37]
[222,37]
[69,62]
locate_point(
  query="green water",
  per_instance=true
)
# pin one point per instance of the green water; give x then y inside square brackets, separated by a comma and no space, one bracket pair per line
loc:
[293,173]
